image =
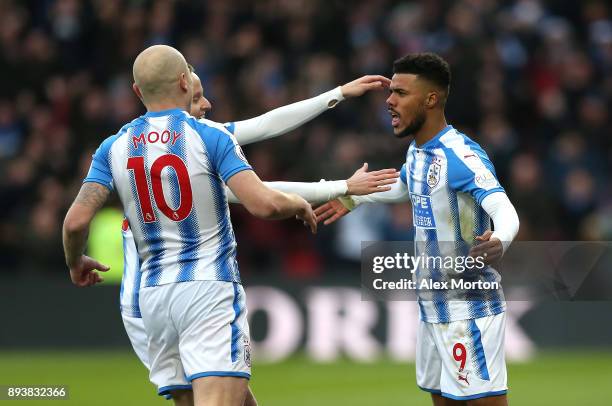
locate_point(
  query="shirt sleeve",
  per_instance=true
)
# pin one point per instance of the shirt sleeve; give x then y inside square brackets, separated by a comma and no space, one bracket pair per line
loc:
[283,119]
[403,176]
[231,127]
[226,156]
[398,194]
[100,170]
[504,216]
[471,171]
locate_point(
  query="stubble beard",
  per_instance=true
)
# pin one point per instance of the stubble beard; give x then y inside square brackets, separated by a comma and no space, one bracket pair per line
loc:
[415,125]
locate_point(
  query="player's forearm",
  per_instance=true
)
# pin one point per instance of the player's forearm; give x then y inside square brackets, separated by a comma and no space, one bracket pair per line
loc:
[74,237]
[312,192]
[505,219]
[76,224]
[286,118]
[280,205]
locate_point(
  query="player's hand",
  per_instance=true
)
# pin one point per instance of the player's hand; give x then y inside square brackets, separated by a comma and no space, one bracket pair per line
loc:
[490,249]
[83,273]
[331,211]
[365,83]
[363,182]
[306,214]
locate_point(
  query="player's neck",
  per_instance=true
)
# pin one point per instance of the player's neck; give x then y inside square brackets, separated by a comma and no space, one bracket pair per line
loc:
[430,129]
[166,105]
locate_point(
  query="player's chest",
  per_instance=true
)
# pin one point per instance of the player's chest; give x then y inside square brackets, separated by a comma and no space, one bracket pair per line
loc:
[426,177]
[426,171]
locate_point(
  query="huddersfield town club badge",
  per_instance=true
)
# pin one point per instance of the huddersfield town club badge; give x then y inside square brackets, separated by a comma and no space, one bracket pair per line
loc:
[433,174]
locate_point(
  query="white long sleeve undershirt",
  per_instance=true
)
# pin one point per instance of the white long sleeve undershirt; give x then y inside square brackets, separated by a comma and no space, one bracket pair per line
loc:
[497,205]
[504,216]
[284,119]
[280,121]
[397,194]
[312,192]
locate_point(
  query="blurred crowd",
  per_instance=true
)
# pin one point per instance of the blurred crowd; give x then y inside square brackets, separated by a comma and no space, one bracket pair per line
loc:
[532,82]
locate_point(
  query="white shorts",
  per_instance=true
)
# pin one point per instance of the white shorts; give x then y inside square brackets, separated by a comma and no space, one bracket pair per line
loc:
[134,327]
[462,360]
[196,329]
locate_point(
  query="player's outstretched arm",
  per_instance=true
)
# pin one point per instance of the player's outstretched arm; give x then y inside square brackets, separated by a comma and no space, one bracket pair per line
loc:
[90,199]
[263,202]
[361,182]
[284,119]
[335,209]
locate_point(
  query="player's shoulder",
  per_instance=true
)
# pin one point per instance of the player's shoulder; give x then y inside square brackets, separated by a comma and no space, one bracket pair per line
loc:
[204,125]
[228,127]
[132,124]
[463,153]
[457,143]
[208,128]
[453,138]
[109,141]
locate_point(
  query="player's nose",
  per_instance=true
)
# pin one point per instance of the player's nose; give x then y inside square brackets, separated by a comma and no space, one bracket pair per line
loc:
[390,100]
[206,106]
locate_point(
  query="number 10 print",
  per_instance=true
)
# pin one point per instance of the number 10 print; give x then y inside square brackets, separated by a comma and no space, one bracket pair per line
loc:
[137,165]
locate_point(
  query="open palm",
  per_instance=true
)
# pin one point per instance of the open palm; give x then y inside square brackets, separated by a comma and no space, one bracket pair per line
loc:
[331,211]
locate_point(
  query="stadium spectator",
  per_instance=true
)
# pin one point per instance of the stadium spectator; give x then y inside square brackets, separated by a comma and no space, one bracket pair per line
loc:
[542,71]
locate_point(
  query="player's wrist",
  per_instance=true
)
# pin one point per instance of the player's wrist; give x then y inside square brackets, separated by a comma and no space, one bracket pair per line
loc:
[303,207]
[337,188]
[498,237]
[73,262]
[350,187]
[348,202]
[297,202]
[335,96]
[332,189]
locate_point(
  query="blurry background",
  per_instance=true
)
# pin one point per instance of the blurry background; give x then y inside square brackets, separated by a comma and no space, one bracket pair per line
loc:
[532,83]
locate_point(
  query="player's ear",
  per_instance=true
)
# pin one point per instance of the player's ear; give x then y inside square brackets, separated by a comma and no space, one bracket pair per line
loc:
[137,91]
[432,99]
[184,82]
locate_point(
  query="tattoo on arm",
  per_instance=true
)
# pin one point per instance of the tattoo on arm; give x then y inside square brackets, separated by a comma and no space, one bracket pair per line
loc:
[89,200]
[92,195]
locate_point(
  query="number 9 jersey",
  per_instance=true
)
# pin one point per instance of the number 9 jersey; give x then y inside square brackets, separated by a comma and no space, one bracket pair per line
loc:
[169,171]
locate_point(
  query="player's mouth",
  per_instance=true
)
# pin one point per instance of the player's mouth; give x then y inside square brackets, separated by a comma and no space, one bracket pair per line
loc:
[395,118]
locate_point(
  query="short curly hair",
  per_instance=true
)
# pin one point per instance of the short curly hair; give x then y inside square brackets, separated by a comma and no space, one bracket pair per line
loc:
[427,65]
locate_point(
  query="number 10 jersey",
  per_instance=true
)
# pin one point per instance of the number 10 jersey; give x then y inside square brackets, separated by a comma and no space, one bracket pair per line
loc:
[169,171]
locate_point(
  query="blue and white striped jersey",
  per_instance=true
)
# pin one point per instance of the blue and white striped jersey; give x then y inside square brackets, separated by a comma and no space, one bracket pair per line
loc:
[448,177]
[130,283]
[169,171]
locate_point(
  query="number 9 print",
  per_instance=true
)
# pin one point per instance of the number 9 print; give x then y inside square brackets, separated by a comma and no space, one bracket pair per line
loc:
[460,355]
